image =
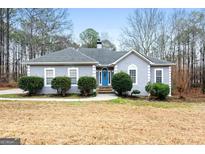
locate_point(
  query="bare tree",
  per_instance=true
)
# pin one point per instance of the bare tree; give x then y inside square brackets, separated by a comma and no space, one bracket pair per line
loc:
[142,28]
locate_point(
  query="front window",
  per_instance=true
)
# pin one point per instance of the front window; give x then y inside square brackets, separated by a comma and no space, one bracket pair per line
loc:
[73,74]
[109,77]
[158,76]
[132,74]
[49,75]
[132,71]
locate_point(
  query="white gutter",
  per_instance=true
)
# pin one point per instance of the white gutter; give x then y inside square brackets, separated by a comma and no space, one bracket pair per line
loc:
[57,63]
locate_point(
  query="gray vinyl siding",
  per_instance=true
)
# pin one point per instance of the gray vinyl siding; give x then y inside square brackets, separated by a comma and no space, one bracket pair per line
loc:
[142,70]
[165,74]
[60,71]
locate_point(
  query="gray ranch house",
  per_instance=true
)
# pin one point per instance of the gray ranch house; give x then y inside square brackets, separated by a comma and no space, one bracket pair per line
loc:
[100,63]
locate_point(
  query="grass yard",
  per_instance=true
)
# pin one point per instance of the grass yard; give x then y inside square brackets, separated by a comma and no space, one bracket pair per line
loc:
[120,121]
[38,96]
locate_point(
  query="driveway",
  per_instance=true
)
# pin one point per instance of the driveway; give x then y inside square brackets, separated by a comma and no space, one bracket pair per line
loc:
[99,97]
[12,91]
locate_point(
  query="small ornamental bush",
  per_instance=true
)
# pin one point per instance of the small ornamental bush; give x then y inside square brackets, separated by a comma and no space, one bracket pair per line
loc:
[158,90]
[148,87]
[135,92]
[86,84]
[121,82]
[32,84]
[61,84]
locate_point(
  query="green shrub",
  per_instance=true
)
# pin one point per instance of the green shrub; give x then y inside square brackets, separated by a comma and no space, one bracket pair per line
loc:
[61,84]
[158,90]
[121,82]
[135,92]
[148,87]
[94,94]
[86,84]
[32,84]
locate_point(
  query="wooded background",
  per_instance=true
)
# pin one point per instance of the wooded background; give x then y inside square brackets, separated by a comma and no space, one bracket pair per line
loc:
[28,33]
[177,36]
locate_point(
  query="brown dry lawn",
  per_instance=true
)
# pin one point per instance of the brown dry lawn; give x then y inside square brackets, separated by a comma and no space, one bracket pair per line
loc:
[115,122]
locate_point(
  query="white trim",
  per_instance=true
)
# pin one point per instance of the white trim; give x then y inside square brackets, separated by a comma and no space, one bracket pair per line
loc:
[45,77]
[94,71]
[133,67]
[50,63]
[115,69]
[170,81]
[28,70]
[148,73]
[77,74]
[125,55]
[158,69]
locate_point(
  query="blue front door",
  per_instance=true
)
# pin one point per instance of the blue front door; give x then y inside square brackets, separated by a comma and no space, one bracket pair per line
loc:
[105,77]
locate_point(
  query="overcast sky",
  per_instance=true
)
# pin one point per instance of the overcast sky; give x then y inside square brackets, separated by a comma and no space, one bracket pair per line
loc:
[102,20]
[106,20]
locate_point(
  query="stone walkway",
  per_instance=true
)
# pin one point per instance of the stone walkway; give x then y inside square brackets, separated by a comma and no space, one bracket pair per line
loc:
[99,97]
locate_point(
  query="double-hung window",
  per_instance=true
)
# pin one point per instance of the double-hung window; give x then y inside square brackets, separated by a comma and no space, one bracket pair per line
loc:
[73,74]
[132,74]
[49,74]
[132,71]
[159,75]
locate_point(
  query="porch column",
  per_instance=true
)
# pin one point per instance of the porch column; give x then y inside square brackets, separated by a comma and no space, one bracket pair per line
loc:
[94,71]
[115,69]
[28,70]
[170,80]
[148,73]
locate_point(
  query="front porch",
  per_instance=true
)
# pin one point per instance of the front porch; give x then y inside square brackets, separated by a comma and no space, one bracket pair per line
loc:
[104,79]
[104,76]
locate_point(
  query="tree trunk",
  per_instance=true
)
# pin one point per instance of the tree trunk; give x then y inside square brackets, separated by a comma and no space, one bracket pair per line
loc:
[7,43]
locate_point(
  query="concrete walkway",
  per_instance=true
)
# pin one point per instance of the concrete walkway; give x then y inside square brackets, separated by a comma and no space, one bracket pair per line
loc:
[99,97]
[12,91]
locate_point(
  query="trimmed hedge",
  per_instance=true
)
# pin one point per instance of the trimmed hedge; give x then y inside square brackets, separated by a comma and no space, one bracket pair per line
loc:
[86,84]
[158,90]
[121,82]
[32,84]
[62,84]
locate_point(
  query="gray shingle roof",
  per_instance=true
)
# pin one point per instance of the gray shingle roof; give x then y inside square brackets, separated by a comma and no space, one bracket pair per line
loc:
[158,61]
[88,55]
[103,56]
[66,55]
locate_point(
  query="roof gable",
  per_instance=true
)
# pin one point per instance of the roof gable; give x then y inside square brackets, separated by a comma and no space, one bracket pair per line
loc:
[137,53]
[150,60]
